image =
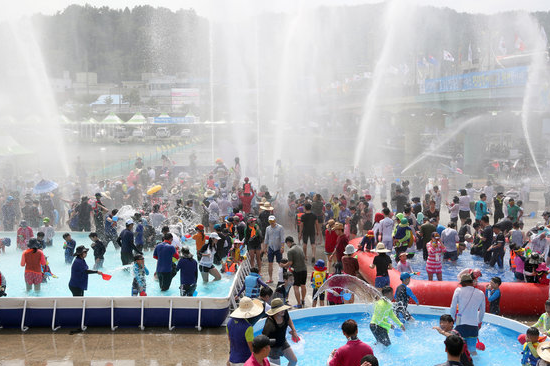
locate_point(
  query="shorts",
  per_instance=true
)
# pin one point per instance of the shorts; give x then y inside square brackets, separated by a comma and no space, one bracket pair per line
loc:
[454,219]
[464,214]
[309,236]
[380,334]
[321,219]
[274,254]
[187,290]
[253,246]
[205,268]
[381,281]
[321,295]
[300,278]
[453,256]
[33,278]
[277,352]
[470,334]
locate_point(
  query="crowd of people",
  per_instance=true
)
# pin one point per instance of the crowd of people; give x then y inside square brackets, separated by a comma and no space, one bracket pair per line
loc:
[229,218]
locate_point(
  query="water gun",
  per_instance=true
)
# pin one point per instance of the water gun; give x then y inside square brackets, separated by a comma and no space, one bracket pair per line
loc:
[528,252]
[50,274]
[416,273]
[295,338]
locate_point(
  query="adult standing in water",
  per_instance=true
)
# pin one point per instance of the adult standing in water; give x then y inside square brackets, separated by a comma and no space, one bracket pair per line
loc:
[33,259]
[471,309]
[79,272]
[275,328]
[206,264]
[127,246]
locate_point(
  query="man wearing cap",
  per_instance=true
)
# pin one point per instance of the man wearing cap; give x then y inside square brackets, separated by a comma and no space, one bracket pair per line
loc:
[240,331]
[78,282]
[163,253]
[127,245]
[471,309]
[275,242]
[296,260]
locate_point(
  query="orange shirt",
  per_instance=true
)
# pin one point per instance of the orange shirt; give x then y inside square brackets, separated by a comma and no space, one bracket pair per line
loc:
[33,261]
[199,239]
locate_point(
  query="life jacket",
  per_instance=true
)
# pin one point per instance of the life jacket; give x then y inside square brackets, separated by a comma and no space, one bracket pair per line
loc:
[319,278]
[529,349]
[252,288]
[252,231]
[247,188]
[299,217]
[229,266]
[512,260]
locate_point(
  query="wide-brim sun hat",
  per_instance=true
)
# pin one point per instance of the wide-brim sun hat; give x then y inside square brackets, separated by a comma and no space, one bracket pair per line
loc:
[209,193]
[277,305]
[350,249]
[267,206]
[248,308]
[380,248]
[543,349]
[79,250]
[466,278]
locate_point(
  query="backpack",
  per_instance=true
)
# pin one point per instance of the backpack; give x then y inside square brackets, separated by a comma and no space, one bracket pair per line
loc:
[319,278]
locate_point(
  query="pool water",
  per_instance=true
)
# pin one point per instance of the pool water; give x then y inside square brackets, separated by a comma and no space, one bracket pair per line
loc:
[119,285]
[418,345]
[465,260]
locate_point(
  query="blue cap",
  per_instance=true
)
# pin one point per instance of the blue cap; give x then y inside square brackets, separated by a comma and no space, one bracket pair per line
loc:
[217,227]
[404,276]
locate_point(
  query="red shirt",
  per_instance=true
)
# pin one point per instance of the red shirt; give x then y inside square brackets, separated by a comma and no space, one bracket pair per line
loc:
[330,240]
[341,243]
[252,362]
[246,200]
[350,354]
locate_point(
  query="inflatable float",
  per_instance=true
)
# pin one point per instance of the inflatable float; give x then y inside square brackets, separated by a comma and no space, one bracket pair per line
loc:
[517,298]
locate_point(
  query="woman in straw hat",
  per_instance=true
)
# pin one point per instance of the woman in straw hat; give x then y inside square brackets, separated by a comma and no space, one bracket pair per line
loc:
[275,328]
[239,330]
[382,262]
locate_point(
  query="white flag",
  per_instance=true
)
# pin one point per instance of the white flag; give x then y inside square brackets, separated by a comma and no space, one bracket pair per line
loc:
[447,56]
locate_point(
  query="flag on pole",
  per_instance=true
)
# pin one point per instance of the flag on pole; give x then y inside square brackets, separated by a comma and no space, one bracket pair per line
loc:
[502,46]
[432,60]
[470,57]
[447,56]
[518,44]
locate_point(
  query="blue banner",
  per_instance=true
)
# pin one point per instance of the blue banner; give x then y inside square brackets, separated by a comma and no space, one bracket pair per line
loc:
[515,76]
[175,120]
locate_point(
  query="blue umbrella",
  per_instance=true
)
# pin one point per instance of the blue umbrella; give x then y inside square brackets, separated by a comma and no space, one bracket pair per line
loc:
[44,186]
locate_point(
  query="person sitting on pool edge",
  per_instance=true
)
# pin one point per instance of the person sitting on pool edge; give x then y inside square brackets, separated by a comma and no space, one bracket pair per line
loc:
[379,324]
[353,351]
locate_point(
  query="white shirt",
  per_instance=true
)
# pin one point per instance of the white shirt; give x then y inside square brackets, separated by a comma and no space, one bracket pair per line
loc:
[176,241]
[464,203]
[471,306]
[386,226]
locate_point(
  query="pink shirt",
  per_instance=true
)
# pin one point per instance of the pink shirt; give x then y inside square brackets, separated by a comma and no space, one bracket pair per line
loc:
[350,354]
[252,362]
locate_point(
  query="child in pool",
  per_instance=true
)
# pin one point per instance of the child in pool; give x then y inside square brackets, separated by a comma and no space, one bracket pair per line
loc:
[383,310]
[139,284]
[403,265]
[2,285]
[4,242]
[446,328]
[530,356]
[492,292]
[402,295]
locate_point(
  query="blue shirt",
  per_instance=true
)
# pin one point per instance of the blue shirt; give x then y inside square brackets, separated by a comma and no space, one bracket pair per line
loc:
[240,332]
[188,271]
[79,274]
[139,235]
[127,239]
[163,253]
[481,209]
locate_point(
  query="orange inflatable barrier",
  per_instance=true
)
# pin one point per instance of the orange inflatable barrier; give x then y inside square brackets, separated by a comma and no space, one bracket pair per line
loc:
[517,298]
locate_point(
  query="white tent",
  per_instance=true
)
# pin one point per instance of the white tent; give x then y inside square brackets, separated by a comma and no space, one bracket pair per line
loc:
[112,119]
[137,119]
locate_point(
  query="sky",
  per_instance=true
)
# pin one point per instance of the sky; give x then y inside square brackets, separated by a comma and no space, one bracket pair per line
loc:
[214,8]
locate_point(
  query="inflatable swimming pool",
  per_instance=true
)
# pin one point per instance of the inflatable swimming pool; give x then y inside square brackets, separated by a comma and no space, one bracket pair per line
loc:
[320,333]
[108,303]
[517,298]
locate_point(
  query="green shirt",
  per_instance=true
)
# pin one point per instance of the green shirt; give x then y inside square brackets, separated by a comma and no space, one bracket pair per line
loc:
[382,310]
[513,212]
[543,323]
[297,257]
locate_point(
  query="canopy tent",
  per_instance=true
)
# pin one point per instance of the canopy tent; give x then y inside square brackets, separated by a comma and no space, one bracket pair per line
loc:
[137,119]
[112,119]
[91,121]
